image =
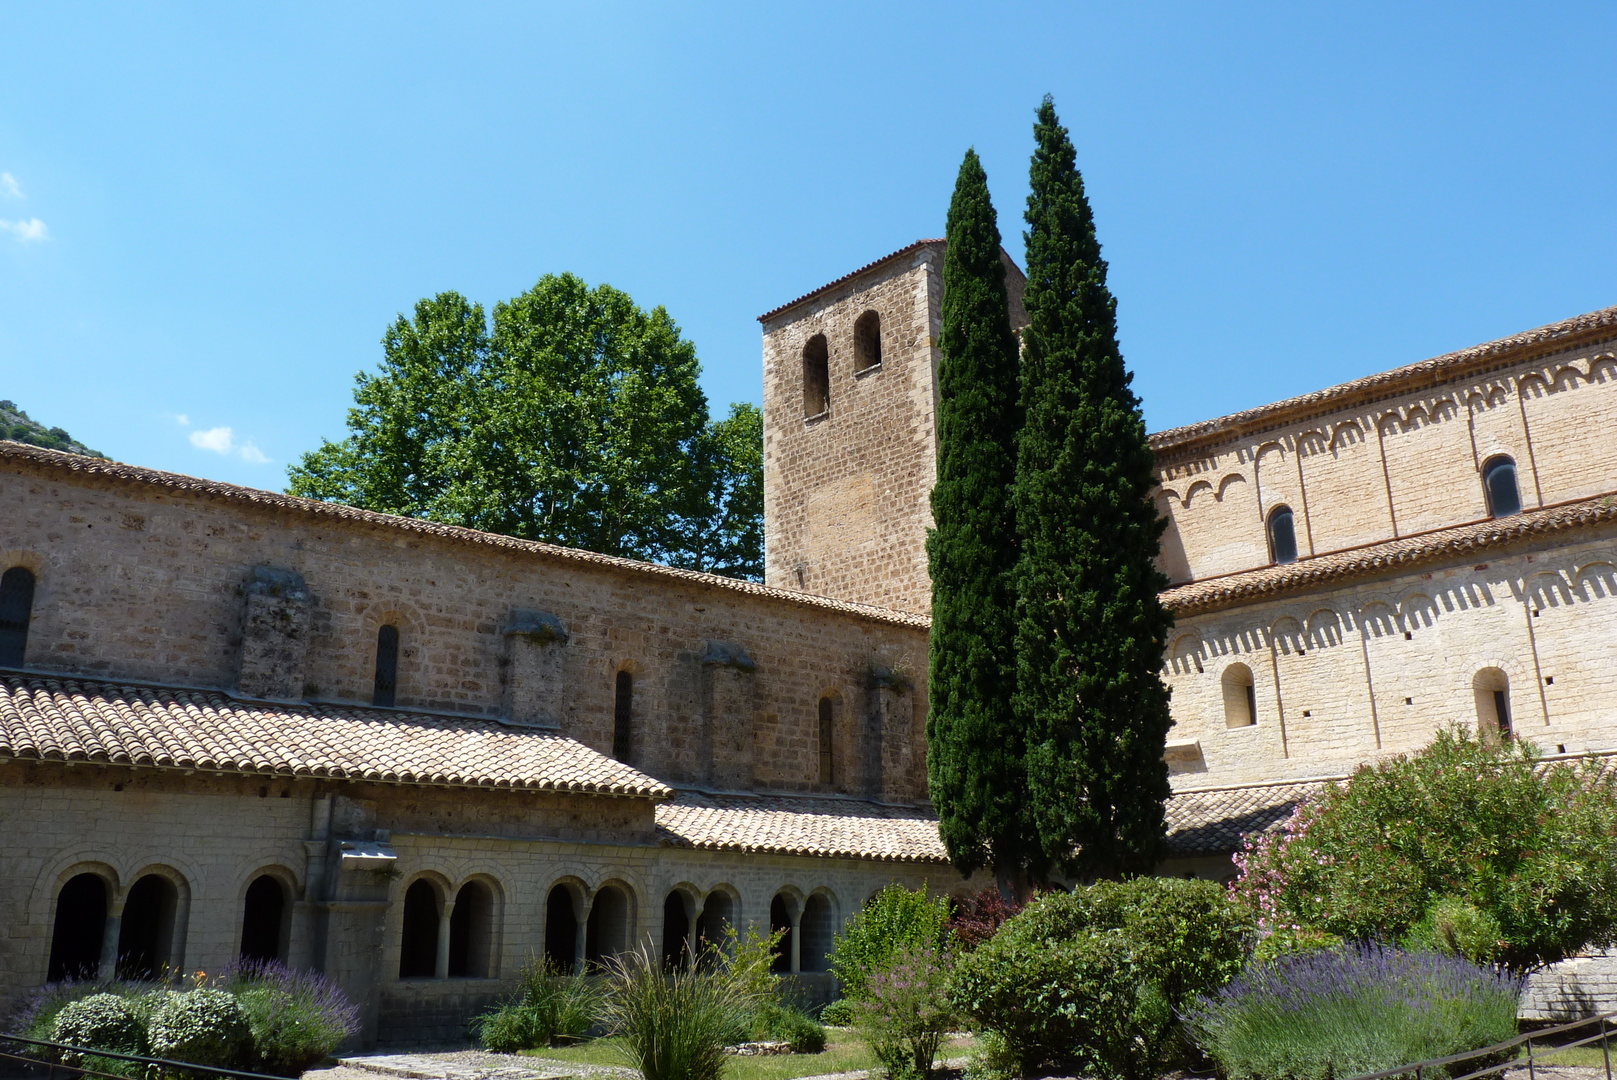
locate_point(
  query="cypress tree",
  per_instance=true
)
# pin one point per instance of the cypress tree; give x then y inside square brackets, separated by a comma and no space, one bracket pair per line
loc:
[974,755]
[1090,630]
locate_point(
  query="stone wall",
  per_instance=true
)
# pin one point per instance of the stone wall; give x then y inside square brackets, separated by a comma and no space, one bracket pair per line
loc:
[847,491]
[1408,463]
[141,581]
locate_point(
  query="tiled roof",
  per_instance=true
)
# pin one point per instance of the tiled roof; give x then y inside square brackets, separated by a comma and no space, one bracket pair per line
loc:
[1212,821]
[1567,334]
[784,825]
[78,466]
[1461,541]
[918,245]
[49,718]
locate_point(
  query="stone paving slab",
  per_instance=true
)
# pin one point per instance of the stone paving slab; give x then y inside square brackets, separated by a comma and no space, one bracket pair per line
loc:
[467,1065]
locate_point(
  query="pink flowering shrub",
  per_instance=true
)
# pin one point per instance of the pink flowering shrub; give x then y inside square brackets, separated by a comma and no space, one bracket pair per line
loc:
[905,1011]
[1531,844]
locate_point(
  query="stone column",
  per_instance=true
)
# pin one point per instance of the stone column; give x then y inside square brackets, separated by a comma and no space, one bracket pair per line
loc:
[727,720]
[581,936]
[440,968]
[533,687]
[110,931]
[795,917]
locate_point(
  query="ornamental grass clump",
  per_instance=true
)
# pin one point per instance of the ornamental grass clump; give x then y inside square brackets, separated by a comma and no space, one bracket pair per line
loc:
[1350,1010]
[552,1004]
[676,1026]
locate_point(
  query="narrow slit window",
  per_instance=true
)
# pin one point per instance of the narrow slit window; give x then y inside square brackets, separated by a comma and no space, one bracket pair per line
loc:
[387,666]
[623,717]
[1282,536]
[826,735]
[16,608]
[1501,711]
[1499,479]
[816,377]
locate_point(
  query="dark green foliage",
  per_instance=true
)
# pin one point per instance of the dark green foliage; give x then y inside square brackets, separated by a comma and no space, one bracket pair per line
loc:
[1460,929]
[974,757]
[1073,978]
[204,1027]
[100,1022]
[1090,630]
[893,919]
[575,419]
[1528,843]
[778,1021]
[15,425]
[551,1003]
[838,1013]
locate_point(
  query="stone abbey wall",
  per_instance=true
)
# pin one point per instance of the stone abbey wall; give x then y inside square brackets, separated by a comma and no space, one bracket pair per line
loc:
[1409,462]
[146,581]
[847,487]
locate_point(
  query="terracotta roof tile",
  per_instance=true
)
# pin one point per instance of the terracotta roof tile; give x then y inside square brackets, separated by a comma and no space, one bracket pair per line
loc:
[49,718]
[1212,821]
[1461,541]
[784,825]
[77,466]
[918,245]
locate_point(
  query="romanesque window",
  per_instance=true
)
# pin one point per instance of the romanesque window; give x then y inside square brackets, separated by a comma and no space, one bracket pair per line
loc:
[827,729]
[1491,687]
[387,666]
[780,922]
[816,377]
[623,717]
[676,932]
[1499,478]
[606,934]
[471,932]
[263,915]
[561,930]
[16,607]
[81,921]
[418,950]
[718,914]
[818,927]
[1282,536]
[867,342]
[146,934]
[1240,697]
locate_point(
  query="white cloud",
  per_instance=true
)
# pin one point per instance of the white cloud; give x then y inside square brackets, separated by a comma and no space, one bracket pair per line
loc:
[9,188]
[222,440]
[182,420]
[24,231]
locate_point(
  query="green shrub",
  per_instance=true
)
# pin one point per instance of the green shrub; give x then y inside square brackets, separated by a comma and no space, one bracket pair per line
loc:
[894,918]
[100,1022]
[1455,927]
[297,1018]
[512,1027]
[905,1010]
[675,1027]
[550,1004]
[1289,942]
[1080,1001]
[1353,1010]
[204,1027]
[838,1013]
[1527,842]
[779,1021]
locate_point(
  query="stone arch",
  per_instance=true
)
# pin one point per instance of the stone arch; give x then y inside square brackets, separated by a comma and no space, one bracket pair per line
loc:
[1324,628]
[1379,618]
[1417,610]
[1287,634]
[1547,589]
[1347,433]
[1185,655]
[1225,484]
[818,927]
[679,926]
[866,342]
[1195,489]
[408,684]
[1240,695]
[265,901]
[785,907]
[1490,687]
[81,903]
[424,896]
[151,932]
[1596,580]
[816,377]
[474,928]
[721,908]
[564,923]
[609,927]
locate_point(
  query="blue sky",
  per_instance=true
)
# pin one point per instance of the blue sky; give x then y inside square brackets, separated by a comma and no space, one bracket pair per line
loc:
[209,213]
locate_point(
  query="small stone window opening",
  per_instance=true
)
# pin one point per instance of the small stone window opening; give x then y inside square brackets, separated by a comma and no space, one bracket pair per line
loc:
[818,928]
[816,377]
[718,914]
[561,931]
[1240,697]
[1499,481]
[263,917]
[867,342]
[146,933]
[1491,687]
[81,922]
[606,934]
[16,608]
[1282,536]
[418,950]
[387,666]
[623,717]
[471,932]
[780,922]
[827,735]
[676,933]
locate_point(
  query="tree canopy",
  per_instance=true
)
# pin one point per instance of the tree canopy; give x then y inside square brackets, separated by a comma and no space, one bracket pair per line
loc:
[572,417]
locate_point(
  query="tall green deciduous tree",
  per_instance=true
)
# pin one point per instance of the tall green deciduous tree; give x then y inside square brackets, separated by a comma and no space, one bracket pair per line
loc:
[575,419]
[974,749]
[1090,630]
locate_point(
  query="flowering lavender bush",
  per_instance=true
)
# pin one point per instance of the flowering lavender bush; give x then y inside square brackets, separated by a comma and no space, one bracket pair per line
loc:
[1528,843]
[904,1009]
[297,1018]
[1350,1010]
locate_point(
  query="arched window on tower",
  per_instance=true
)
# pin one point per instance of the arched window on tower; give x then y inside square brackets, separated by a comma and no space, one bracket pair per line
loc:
[387,666]
[867,342]
[827,744]
[623,717]
[16,608]
[1240,697]
[1491,688]
[816,377]
[1499,480]
[1282,536]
